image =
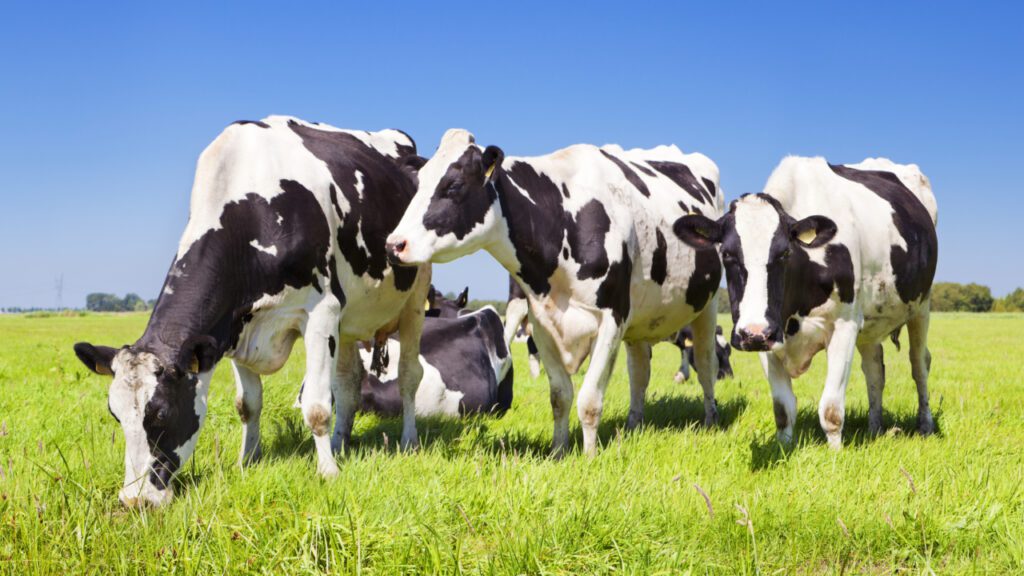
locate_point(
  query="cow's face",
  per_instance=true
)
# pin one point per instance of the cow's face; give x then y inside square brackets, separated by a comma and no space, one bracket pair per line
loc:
[757,238]
[440,307]
[160,407]
[455,210]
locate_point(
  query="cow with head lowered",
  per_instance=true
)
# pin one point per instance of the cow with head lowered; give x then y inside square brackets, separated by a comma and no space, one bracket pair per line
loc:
[285,238]
[586,232]
[835,258]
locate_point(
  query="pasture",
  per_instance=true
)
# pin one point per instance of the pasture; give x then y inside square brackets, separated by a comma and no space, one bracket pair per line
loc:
[481,496]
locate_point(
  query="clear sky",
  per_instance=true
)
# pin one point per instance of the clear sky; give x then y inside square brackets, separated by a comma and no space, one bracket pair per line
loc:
[106,107]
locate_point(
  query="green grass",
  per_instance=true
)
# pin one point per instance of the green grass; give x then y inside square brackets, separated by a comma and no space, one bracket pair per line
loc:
[482,497]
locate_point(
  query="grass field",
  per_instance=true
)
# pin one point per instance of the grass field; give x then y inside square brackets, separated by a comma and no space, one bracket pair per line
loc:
[482,497]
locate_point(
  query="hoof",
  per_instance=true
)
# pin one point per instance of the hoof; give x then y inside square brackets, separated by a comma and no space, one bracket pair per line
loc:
[328,469]
[250,458]
[679,378]
[634,420]
[784,436]
[926,426]
[835,441]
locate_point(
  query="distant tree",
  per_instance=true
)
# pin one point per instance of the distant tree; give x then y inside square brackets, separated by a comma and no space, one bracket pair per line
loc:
[102,302]
[1012,302]
[133,303]
[953,297]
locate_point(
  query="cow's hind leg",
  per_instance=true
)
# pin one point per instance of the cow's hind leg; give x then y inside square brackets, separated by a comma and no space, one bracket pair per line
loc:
[320,338]
[873,365]
[920,365]
[561,389]
[783,399]
[638,363]
[591,398]
[249,404]
[705,359]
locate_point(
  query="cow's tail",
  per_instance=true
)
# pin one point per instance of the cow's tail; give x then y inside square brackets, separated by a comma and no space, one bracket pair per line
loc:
[895,337]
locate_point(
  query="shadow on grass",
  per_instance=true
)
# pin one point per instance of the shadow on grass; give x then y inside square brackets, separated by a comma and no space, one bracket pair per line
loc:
[766,451]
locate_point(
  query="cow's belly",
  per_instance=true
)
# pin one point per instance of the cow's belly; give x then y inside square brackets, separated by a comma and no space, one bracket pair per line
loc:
[657,312]
[572,326]
[266,340]
[882,308]
[370,305]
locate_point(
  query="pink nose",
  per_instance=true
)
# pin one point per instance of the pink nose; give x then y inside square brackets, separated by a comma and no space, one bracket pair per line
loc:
[395,249]
[754,330]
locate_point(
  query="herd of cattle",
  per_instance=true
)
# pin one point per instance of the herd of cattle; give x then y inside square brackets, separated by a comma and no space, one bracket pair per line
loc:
[302,229]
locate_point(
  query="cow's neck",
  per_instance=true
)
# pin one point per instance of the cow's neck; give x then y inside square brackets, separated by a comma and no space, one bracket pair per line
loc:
[199,304]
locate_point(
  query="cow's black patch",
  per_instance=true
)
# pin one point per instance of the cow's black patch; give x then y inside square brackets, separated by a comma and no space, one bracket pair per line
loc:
[683,177]
[710,186]
[809,284]
[565,190]
[914,266]
[659,260]
[643,169]
[331,344]
[792,326]
[253,122]
[535,224]
[332,267]
[585,235]
[613,293]
[374,212]
[630,175]
[170,420]
[707,274]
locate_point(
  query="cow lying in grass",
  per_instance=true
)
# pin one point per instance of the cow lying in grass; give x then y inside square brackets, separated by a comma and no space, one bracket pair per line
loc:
[684,341]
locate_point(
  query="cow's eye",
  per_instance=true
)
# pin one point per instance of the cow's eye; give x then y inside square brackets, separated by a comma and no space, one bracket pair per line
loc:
[161,416]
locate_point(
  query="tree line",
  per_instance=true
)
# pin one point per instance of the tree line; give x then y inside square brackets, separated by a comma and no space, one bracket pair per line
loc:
[103,302]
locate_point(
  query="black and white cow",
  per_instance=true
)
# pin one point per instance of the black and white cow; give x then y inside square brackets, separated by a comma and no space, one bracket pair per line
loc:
[586,232]
[684,341]
[285,238]
[440,307]
[829,257]
[517,310]
[466,368]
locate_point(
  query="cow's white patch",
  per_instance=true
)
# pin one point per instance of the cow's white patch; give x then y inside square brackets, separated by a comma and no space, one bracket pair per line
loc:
[756,223]
[272,250]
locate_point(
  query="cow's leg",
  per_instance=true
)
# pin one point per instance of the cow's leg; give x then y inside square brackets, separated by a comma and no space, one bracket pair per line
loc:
[920,365]
[561,389]
[515,312]
[872,362]
[410,372]
[705,359]
[591,399]
[249,404]
[531,347]
[346,392]
[638,363]
[321,374]
[832,407]
[783,399]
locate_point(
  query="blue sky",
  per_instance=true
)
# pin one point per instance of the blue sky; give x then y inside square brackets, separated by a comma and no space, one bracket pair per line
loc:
[106,108]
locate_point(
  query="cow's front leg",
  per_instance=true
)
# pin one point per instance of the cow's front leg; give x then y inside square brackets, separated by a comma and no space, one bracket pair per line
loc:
[683,374]
[561,389]
[705,359]
[347,394]
[410,371]
[832,407]
[638,364]
[320,338]
[873,365]
[783,399]
[249,404]
[591,398]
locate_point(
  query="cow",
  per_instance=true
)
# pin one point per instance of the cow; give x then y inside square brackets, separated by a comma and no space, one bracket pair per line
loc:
[684,341]
[285,237]
[829,257]
[467,368]
[586,233]
[516,324]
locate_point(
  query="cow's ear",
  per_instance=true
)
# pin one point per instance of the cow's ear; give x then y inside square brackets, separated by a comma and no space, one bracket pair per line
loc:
[411,165]
[698,231]
[492,158]
[431,298]
[198,355]
[96,358]
[463,298]
[432,313]
[813,231]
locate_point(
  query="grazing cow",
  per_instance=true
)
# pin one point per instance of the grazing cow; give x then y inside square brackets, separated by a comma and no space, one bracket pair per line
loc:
[585,232]
[829,257]
[684,341]
[516,323]
[285,238]
[466,369]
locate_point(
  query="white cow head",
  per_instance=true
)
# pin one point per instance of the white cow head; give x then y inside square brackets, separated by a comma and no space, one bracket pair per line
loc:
[455,208]
[757,238]
[160,407]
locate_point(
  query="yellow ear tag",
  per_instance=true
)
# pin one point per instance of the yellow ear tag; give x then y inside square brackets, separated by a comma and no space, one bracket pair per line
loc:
[487,175]
[426,304]
[195,365]
[808,236]
[688,343]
